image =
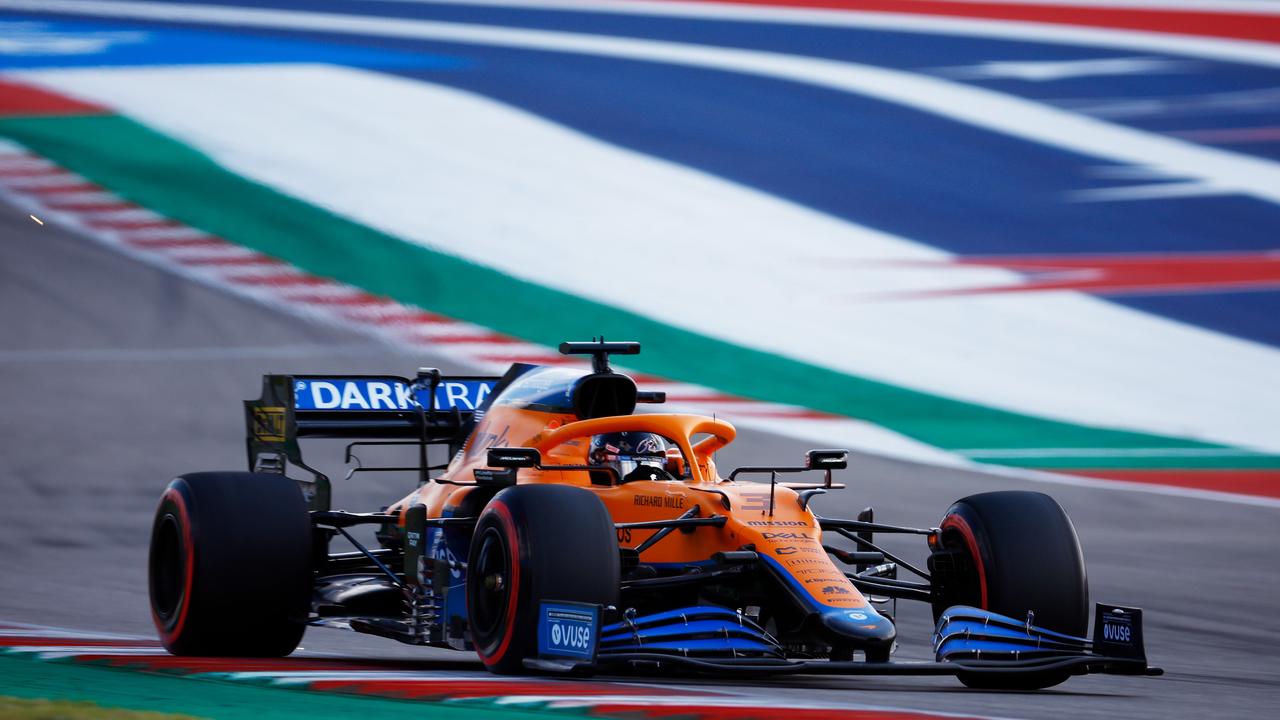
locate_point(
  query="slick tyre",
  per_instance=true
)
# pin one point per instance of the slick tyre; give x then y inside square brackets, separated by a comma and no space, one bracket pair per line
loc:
[1022,555]
[535,543]
[230,565]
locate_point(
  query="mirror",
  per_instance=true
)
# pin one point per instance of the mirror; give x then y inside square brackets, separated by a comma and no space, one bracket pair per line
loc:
[826,459]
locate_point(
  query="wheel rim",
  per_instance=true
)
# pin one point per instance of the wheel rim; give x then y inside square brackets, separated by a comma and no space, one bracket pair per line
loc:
[167,571]
[492,574]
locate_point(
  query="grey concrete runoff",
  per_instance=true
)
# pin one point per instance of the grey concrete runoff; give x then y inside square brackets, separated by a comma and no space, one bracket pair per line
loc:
[116,377]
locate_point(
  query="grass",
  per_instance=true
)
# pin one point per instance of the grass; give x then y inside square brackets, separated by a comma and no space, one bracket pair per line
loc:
[12,708]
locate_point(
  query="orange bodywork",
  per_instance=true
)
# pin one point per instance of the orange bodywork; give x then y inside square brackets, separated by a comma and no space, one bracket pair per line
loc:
[788,536]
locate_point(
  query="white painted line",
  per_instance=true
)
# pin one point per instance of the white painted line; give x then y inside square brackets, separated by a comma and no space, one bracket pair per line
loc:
[1154,191]
[177,232]
[328,292]
[7,147]
[23,162]
[84,197]
[117,216]
[195,253]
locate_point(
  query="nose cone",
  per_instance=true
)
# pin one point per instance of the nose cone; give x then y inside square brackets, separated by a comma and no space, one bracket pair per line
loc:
[861,626]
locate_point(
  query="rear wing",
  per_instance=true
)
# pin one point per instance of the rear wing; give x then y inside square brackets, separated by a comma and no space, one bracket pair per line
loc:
[427,410]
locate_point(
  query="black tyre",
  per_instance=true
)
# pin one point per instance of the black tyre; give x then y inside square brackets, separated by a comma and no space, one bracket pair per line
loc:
[535,543]
[230,565]
[1022,555]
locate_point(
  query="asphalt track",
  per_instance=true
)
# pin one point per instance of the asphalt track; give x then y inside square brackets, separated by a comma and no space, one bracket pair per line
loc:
[117,376]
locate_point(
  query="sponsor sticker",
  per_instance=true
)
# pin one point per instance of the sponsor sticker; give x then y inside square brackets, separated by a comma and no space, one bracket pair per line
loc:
[668,501]
[790,562]
[268,424]
[793,549]
[1117,631]
[568,630]
[386,394]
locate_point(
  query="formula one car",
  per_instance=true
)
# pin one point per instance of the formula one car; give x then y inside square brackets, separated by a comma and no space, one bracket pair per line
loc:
[567,533]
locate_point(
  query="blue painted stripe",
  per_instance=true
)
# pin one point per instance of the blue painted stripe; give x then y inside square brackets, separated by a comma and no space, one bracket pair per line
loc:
[958,188]
[33,43]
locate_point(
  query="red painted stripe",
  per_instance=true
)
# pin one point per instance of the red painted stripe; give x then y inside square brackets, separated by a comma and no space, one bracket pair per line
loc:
[22,99]
[1123,273]
[173,243]
[797,414]
[642,379]
[1240,26]
[77,642]
[280,280]
[401,316]
[1261,483]
[82,206]
[531,359]
[709,398]
[128,223]
[483,338]
[236,261]
[192,665]
[21,171]
[70,186]
[448,688]
[357,299]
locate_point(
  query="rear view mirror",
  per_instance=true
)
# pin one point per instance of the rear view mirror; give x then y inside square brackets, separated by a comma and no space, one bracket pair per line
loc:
[508,457]
[826,459]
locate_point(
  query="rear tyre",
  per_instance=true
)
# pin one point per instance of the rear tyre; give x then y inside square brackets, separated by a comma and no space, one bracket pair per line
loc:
[535,543]
[1022,555]
[230,565]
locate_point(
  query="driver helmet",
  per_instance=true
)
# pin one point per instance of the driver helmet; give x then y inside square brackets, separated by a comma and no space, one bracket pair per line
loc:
[628,452]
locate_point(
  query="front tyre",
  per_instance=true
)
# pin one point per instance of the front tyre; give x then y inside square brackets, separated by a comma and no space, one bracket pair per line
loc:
[1020,554]
[230,565]
[535,543]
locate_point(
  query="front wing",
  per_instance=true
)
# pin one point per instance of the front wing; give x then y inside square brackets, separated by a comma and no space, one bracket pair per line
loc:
[714,640]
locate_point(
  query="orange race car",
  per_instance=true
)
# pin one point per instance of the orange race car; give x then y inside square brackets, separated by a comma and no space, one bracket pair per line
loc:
[565,533]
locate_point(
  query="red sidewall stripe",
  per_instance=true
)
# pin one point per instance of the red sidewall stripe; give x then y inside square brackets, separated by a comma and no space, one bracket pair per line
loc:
[957,523]
[189,563]
[513,550]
